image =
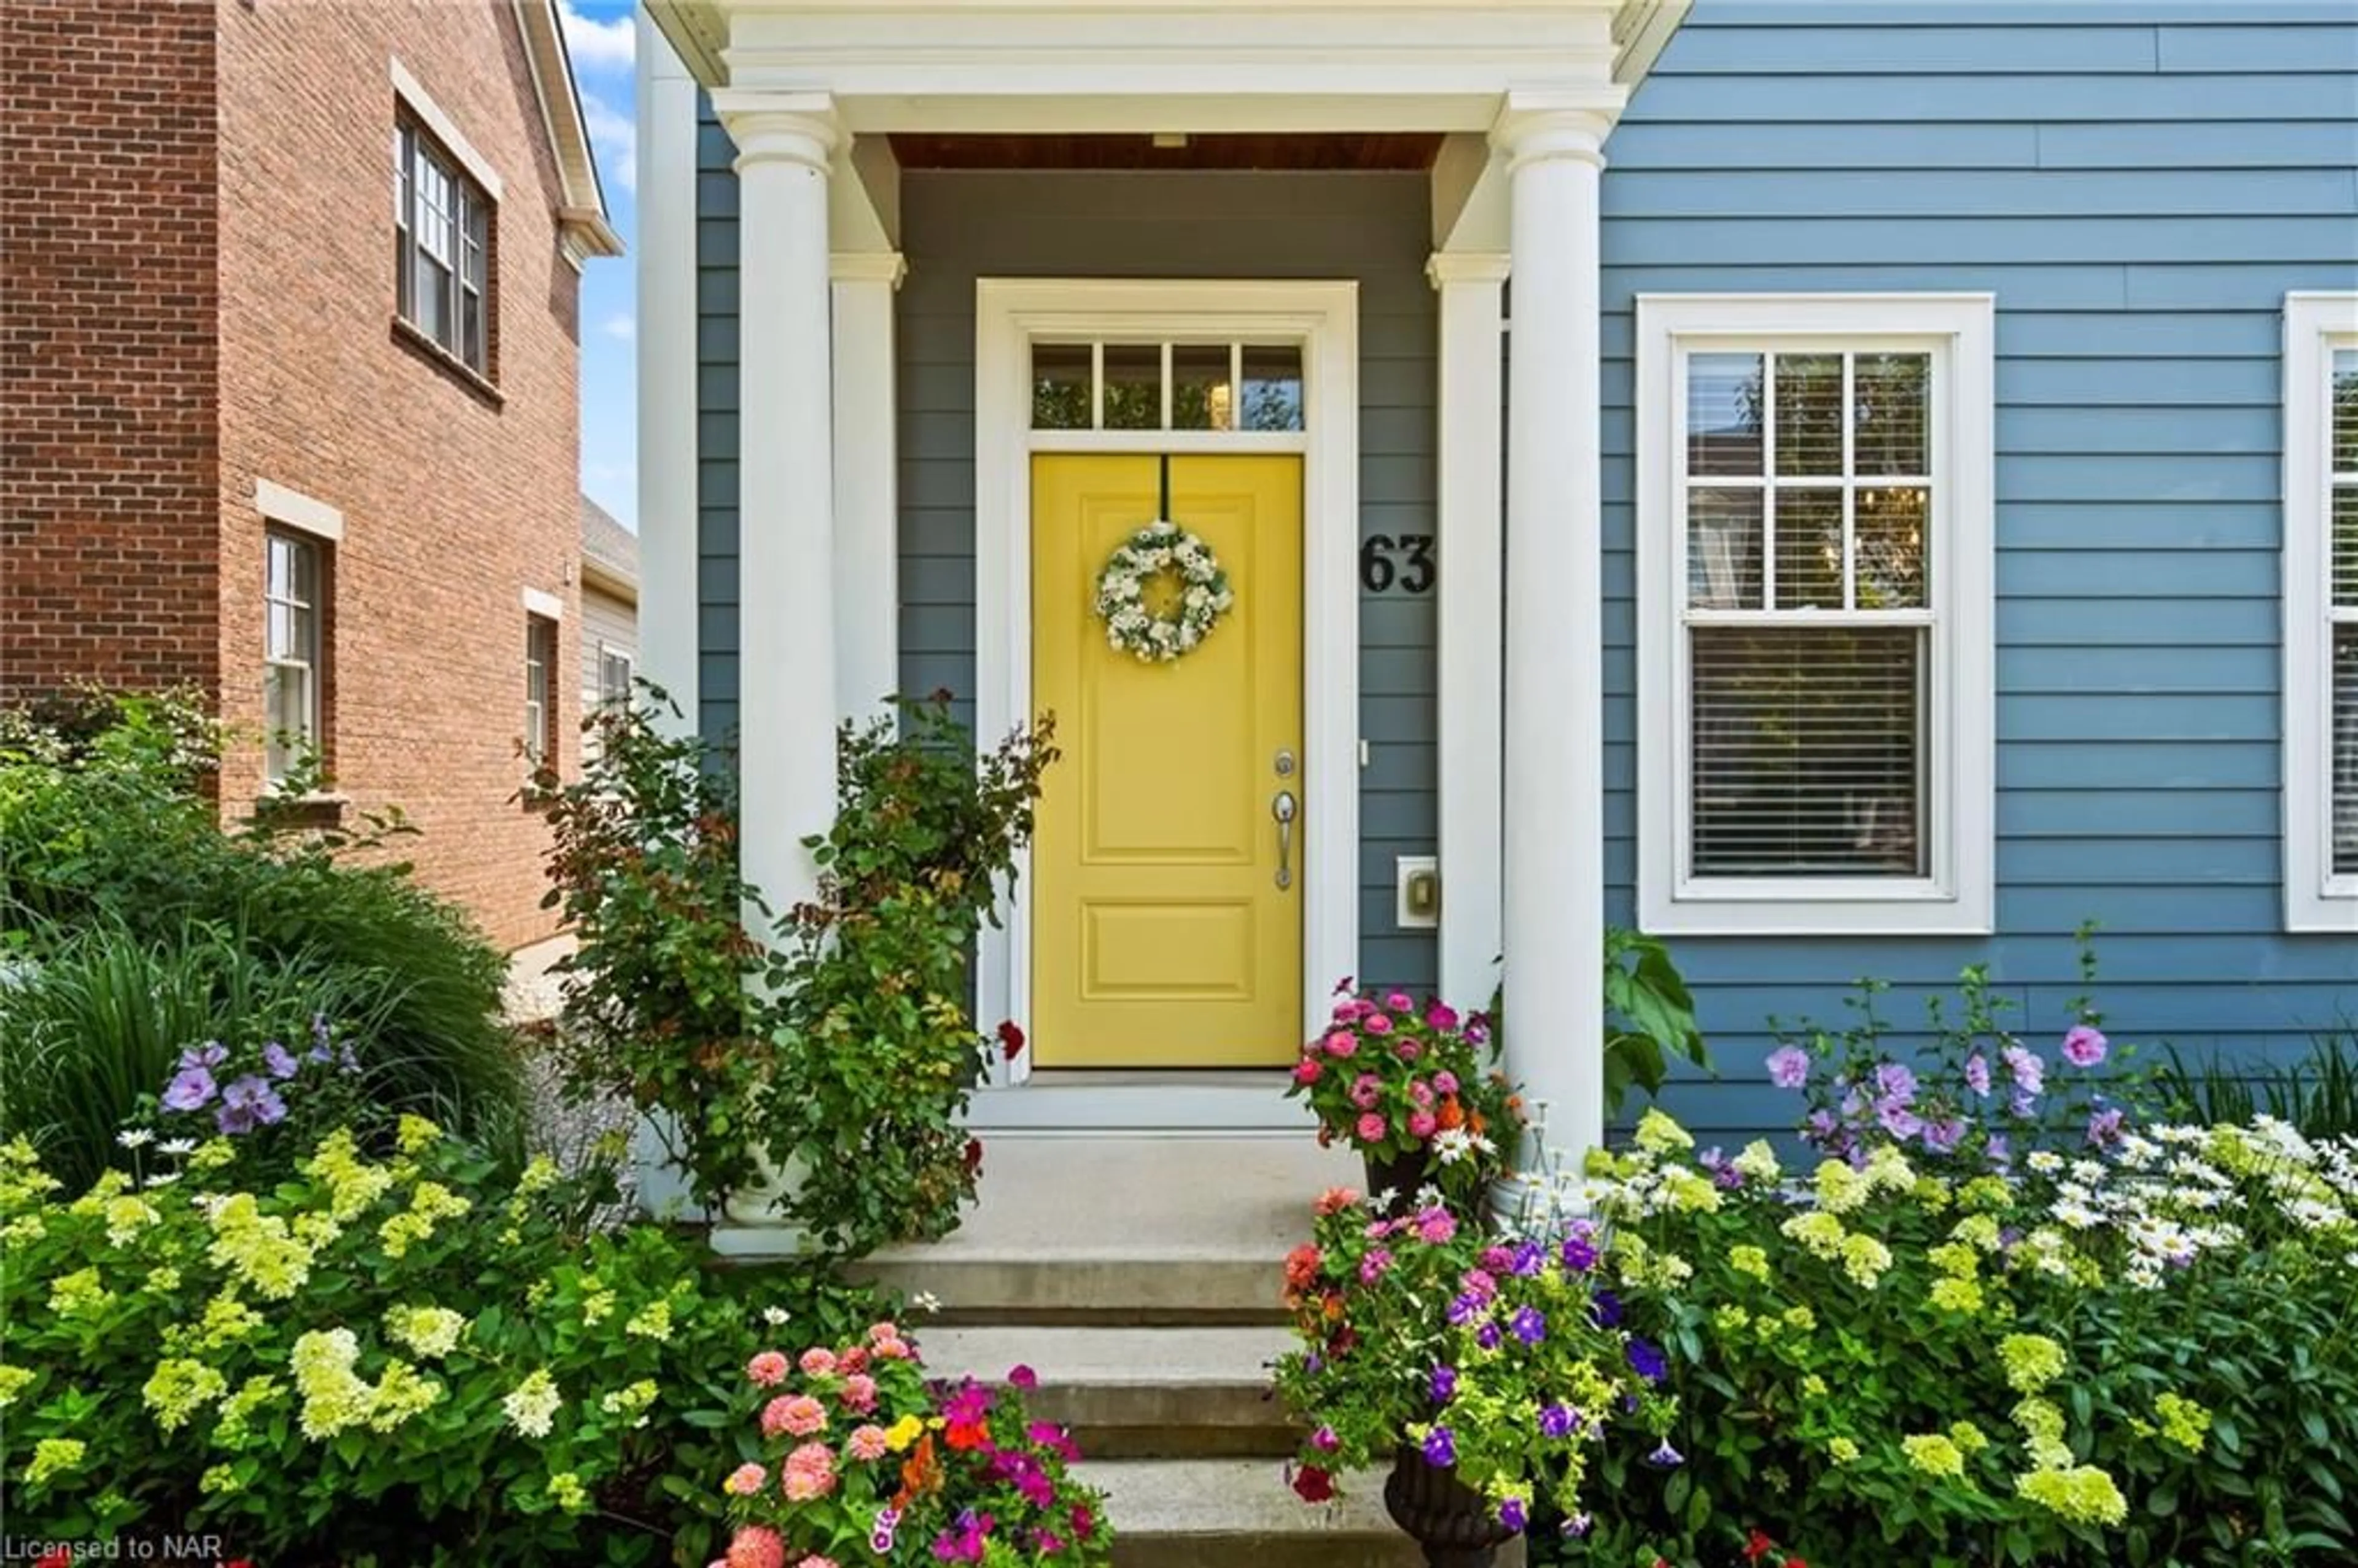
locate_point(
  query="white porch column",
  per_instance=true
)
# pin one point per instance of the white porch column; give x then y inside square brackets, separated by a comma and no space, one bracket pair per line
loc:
[1555,833]
[785,485]
[867,511]
[1472,285]
[667,401]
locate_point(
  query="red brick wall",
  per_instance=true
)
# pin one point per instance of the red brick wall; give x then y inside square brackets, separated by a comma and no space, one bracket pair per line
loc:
[108,456]
[455,498]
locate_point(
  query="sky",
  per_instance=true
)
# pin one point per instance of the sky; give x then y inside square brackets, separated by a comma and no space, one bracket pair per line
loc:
[602,40]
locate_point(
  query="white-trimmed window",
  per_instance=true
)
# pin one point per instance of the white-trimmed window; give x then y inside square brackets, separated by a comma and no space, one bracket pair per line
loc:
[539,707]
[615,671]
[293,597]
[1815,671]
[442,239]
[2321,586]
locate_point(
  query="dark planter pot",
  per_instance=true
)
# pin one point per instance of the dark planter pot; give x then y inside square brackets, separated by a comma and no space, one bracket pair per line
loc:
[1401,1174]
[1448,1519]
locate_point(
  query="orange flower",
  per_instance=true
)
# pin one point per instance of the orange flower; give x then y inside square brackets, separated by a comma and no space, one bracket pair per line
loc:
[1451,1114]
[919,1472]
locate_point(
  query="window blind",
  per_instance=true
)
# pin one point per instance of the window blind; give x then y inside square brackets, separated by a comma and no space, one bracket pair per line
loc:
[2341,613]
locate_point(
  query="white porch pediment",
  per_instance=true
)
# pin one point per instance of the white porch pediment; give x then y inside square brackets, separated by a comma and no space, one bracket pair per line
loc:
[1147,66]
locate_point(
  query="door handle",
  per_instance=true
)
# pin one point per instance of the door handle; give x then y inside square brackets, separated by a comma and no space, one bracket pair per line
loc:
[1284,807]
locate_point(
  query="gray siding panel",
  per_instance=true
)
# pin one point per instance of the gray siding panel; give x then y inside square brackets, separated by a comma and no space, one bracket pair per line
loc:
[2139,198]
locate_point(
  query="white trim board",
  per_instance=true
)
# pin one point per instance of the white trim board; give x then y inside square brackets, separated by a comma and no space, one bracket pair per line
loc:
[2315,325]
[1010,315]
[543,603]
[445,130]
[1959,896]
[293,509]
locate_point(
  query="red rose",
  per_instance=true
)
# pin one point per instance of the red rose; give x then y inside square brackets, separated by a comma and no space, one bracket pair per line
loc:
[1758,1545]
[1314,1484]
[1010,1039]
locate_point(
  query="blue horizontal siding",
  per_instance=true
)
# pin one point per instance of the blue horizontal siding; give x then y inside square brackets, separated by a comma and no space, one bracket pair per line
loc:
[2138,185]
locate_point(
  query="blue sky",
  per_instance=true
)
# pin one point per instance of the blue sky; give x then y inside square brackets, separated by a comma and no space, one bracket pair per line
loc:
[602,38]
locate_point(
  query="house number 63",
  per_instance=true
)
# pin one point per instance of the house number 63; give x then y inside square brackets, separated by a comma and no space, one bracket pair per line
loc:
[1402,561]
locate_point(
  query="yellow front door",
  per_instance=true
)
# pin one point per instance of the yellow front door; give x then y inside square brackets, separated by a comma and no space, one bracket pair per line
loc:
[1166,929]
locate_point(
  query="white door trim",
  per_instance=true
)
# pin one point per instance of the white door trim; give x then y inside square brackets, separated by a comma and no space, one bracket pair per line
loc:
[1322,317]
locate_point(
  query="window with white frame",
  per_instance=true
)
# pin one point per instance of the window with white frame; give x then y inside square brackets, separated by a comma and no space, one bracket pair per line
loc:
[293,590]
[614,676]
[539,704]
[442,237]
[1815,615]
[2321,586]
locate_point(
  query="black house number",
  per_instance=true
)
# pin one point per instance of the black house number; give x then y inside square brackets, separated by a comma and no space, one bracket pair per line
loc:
[1401,561]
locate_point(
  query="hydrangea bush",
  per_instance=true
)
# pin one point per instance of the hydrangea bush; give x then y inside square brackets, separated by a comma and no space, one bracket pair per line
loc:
[1497,1359]
[1392,1077]
[2138,1353]
[862,1459]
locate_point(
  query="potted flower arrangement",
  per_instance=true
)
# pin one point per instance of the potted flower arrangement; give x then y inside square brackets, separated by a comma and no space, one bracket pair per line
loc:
[862,1458]
[1484,1370]
[1417,1090]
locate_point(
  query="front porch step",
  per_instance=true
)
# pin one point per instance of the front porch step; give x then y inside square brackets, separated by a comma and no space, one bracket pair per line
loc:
[1222,1513]
[1136,1393]
[976,1288]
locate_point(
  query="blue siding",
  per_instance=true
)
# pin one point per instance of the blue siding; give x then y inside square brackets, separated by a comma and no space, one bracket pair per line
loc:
[2140,186]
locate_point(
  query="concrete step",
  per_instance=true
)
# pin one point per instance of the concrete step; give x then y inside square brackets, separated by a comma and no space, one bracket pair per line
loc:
[1138,1393]
[1131,1286]
[1223,1513]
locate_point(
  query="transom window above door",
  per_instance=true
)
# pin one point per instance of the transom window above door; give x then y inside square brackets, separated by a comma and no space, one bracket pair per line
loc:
[1114,385]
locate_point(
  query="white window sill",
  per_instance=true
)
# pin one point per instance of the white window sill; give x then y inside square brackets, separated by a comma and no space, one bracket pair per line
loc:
[1909,908]
[2332,910]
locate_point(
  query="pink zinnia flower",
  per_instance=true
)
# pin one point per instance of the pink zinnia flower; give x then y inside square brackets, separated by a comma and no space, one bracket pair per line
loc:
[1377,1023]
[745,1480]
[886,1329]
[1436,1226]
[1371,1127]
[1445,1081]
[768,1370]
[1421,1093]
[1437,1016]
[1306,1070]
[1335,1199]
[852,1360]
[1372,1266]
[1420,1124]
[1342,1043]
[1407,1050]
[1366,1090]
[817,1362]
[1400,1002]
[2084,1046]
[798,1415]
[815,1561]
[757,1546]
[891,1350]
[868,1444]
[860,1393]
[810,1472]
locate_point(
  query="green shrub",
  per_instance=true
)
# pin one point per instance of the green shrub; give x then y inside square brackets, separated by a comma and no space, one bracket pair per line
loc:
[2319,1095]
[407,1361]
[106,840]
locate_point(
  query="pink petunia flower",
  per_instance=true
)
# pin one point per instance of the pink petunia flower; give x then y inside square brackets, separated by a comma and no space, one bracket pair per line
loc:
[768,1370]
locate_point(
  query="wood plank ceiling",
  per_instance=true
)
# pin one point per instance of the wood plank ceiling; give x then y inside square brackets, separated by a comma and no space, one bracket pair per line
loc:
[1370,153]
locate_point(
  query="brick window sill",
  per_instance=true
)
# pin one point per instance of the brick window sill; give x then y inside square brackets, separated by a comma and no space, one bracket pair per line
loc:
[448,364]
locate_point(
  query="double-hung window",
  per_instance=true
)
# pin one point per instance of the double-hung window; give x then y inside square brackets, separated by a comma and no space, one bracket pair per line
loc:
[539,693]
[1815,613]
[293,594]
[614,676]
[2320,614]
[442,237]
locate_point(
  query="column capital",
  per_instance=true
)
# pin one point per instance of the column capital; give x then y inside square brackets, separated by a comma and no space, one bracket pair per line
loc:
[887,268]
[1446,267]
[780,127]
[1540,127]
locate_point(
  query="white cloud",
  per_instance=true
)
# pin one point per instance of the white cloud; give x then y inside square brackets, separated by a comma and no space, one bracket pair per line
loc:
[621,325]
[596,44]
[616,136]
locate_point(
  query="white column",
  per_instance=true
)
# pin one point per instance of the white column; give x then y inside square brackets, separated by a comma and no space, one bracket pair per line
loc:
[785,485]
[867,510]
[1471,529]
[666,371]
[1554,836]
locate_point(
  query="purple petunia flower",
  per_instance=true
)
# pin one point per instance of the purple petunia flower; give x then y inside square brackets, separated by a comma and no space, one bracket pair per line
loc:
[277,1062]
[2084,1046]
[1578,1525]
[880,1536]
[1647,1362]
[1513,1515]
[1529,1324]
[1789,1069]
[1558,1421]
[1529,1260]
[1441,1448]
[1668,1457]
[1488,1335]
[1579,1252]
[192,1089]
[1977,1075]
[1606,1307]
[1325,1439]
[1462,1311]
[1444,1384]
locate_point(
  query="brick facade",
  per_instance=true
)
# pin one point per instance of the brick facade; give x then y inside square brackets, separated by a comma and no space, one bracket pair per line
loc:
[456,496]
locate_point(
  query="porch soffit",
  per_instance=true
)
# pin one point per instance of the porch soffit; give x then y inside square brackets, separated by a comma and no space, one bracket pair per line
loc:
[1112,66]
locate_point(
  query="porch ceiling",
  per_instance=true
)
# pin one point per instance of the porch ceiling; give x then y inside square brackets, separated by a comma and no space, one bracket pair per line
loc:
[1074,68]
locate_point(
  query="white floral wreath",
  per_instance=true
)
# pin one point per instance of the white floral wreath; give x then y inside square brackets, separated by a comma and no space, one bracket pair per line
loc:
[1203,594]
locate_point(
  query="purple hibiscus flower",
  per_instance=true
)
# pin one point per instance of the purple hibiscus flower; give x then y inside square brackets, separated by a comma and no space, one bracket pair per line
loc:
[1789,1069]
[1977,1075]
[2026,1067]
[2105,1126]
[1942,1135]
[247,1103]
[277,1062]
[2084,1046]
[191,1088]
